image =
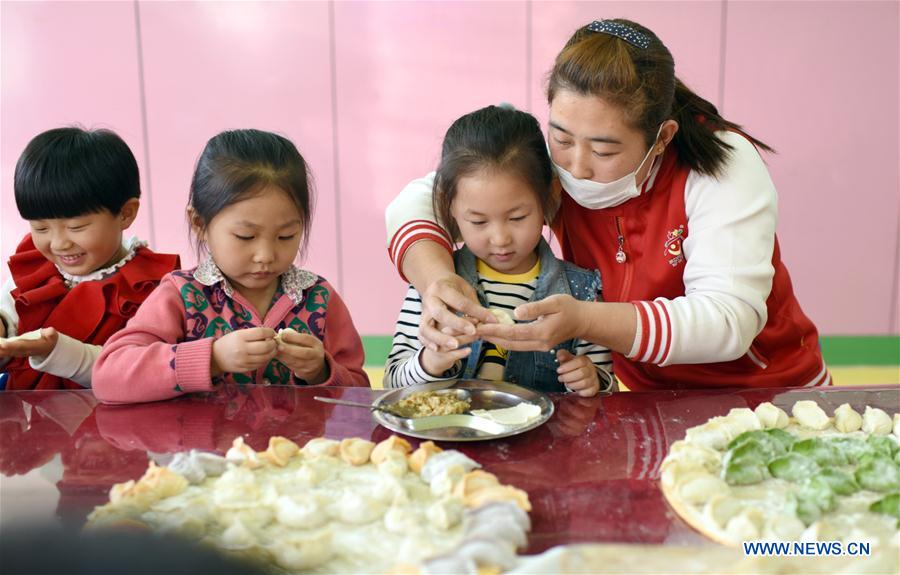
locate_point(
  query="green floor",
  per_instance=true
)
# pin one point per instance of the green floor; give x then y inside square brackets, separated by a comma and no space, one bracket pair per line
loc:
[853,360]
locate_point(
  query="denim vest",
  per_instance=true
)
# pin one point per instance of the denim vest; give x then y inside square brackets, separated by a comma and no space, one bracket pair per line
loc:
[532,369]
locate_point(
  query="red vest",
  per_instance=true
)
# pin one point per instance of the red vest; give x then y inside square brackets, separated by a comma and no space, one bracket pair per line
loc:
[786,351]
[90,312]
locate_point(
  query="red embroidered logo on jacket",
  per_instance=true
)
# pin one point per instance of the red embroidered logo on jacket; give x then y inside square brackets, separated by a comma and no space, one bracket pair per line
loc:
[672,249]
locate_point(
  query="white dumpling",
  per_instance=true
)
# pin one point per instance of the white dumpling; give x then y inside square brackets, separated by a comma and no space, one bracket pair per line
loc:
[846,419]
[445,513]
[783,527]
[504,528]
[387,489]
[876,421]
[444,460]
[741,419]
[196,466]
[503,316]
[302,510]
[897,424]
[721,508]
[771,416]
[745,526]
[299,552]
[810,415]
[698,487]
[242,454]
[443,483]
[506,509]
[401,520]
[236,489]
[356,508]
[237,536]
[394,464]
[713,434]
[487,553]
[321,447]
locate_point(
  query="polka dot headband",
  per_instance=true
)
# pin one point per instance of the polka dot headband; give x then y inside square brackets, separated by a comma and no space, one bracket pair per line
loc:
[621,31]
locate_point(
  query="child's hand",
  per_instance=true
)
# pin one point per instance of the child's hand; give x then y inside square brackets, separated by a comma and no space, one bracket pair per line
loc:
[304,354]
[243,350]
[577,373]
[30,347]
[435,363]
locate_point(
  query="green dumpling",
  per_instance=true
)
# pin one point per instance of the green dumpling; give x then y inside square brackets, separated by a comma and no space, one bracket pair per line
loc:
[878,474]
[889,505]
[853,448]
[745,472]
[883,445]
[840,481]
[793,467]
[822,452]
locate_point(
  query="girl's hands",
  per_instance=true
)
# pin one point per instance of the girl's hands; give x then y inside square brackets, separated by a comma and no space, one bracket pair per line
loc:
[304,354]
[441,329]
[557,318]
[243,350]
[30,347]
[578,374]
[435,363]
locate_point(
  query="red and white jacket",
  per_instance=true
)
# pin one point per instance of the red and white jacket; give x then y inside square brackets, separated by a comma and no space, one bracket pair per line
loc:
[715,303]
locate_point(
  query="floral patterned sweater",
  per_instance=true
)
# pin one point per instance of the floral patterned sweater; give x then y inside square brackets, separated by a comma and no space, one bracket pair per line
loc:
[166,348]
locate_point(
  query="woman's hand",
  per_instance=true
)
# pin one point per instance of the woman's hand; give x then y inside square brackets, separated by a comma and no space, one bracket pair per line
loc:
[440,328]
[243,350]
[578,374]
[557,318]
[31,347]
[304,354]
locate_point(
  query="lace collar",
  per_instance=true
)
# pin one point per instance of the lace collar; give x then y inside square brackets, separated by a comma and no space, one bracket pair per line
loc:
[294,281]
[131,246]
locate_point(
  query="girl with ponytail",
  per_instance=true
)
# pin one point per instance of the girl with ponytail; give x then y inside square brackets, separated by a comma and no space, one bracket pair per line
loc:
[675,207]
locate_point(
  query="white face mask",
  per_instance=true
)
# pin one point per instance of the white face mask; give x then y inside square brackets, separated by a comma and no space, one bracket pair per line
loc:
[598,195]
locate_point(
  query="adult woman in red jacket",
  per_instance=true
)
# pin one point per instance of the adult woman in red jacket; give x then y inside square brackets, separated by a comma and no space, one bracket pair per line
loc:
[674,206]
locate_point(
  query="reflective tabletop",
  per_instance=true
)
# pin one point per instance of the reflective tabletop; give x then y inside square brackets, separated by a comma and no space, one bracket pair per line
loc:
[591,471]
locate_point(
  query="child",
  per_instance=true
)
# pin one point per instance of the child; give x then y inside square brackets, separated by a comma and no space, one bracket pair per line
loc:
[492,191]
[250,208]
[74,282]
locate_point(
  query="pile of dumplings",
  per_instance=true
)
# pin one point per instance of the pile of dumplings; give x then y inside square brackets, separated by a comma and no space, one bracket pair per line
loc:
[332,506]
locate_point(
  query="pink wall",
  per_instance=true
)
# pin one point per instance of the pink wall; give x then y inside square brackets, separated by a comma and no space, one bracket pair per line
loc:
[367,89]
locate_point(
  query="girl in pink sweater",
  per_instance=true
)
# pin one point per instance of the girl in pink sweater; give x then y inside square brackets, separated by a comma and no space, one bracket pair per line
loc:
[250,211]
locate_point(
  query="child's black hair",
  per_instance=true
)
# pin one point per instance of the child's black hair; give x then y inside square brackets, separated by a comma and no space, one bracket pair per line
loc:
[236,164]
[70,172]
[493,138]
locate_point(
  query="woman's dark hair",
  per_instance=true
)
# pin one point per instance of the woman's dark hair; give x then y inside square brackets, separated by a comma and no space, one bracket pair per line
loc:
[69,172]
[237,164]
[492,138]
[642,82]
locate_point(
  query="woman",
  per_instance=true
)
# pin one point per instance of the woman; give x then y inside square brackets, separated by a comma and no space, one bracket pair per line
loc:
[675,207]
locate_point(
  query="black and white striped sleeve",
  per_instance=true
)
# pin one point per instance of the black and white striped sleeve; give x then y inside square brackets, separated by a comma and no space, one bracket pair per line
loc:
[601,357]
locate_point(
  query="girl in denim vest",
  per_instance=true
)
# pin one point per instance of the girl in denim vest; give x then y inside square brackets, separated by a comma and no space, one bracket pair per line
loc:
[246,314]
[492,192]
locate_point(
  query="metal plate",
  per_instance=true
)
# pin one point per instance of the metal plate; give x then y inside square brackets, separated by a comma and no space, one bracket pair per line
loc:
[482,394]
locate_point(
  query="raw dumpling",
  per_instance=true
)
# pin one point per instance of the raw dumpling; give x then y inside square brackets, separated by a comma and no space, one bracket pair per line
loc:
[321,447]
[420,456]
[876,421]
[300,552]
[446,459]
[445,514]
[242,454]
[503,317]
[392,443]
[810,415]
[302,510]
[196,466]
[846,419]
[356,451]
[280,450]
[771,416]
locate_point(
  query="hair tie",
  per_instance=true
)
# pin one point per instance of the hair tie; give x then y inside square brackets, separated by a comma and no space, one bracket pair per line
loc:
[620,31]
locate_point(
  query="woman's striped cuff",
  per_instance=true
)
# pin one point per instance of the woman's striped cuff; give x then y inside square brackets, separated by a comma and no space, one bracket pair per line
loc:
[653,339]
[412,232]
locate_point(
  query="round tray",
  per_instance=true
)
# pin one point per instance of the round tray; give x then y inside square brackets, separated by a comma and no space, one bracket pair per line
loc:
[482,394]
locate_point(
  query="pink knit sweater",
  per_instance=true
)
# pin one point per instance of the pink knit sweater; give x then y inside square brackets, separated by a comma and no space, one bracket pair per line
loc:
[166,348]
